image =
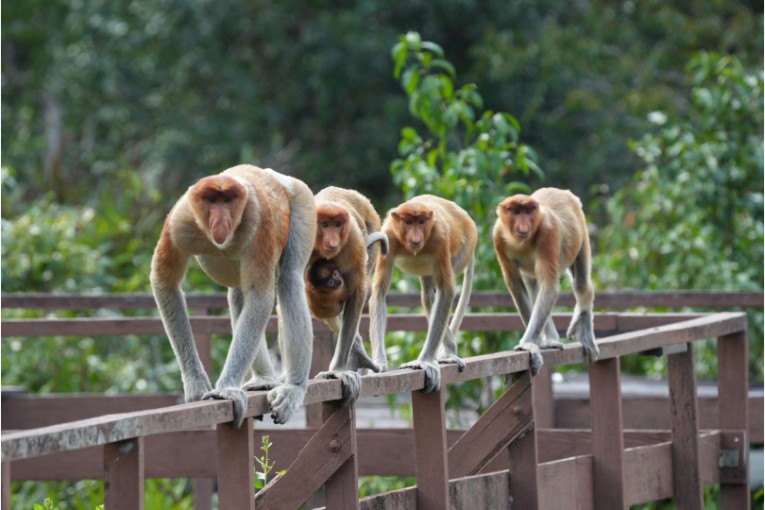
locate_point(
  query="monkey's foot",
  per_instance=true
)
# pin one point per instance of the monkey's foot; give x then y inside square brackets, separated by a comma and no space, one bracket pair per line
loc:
[236,395]
[382,364]
[194,388]
[536,361]
[360,359]
[284,400]
[452,358]
[551,345]
[432,374]
[581,330]
[351,382]
[261,382]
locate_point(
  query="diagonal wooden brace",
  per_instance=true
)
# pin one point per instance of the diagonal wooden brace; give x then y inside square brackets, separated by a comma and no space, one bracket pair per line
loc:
[507,419]
[326,452]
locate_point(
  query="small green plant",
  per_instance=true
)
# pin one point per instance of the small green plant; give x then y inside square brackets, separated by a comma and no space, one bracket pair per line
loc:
[47,505]
[266,465]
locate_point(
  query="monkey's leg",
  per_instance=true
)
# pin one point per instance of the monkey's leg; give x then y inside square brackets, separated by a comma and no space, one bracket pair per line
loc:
[339,367]
[581,327]
[262,376]
[437,325]
[540,314]
[248,337]
[549,338]
[447,350]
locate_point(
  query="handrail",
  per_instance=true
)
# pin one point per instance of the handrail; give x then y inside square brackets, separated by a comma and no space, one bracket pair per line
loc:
[119,427]
[603,299]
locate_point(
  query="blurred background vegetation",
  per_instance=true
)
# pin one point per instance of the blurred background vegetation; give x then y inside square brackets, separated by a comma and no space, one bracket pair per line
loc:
[651,111]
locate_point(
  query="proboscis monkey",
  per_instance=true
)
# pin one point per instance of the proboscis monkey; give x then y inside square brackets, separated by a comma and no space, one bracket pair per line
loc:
[326,289]
[435,239]
[251,230]
[536,239]
[348,229]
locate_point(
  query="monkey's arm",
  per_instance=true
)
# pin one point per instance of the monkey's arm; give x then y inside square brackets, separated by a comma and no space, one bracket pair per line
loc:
[168,267]
[514,283]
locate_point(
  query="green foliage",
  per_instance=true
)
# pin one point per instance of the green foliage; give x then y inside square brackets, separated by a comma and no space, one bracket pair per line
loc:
[266,465]
[693,217]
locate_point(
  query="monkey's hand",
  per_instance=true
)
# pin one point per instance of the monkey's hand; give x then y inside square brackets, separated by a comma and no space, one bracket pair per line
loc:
[360,359]
[581,330]
[551,344]
[236,395]
[382,364]
[284,400]
[452,358]
[351,382]
[536,361]
[432,374]
[194,388]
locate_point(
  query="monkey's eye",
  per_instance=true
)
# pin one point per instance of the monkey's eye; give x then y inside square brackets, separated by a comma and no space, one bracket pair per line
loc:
[227,200]
[325,224]
[210,200]
[408,222]
[338,224]
[422,222]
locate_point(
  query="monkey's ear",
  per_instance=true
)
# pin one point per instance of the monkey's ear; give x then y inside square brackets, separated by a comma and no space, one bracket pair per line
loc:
[428,214]
[396,216]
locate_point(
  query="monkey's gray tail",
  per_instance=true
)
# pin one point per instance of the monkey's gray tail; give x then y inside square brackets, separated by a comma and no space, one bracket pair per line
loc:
[378,236]
[462,304]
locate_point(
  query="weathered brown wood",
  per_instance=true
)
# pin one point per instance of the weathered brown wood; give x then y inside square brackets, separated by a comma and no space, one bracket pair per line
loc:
[604,299]
[510,416]
[236,466]
[326,452]
[26,411]
[431,461]
[648,412]
[733,370]
[202,488]
[544,399]
[566,484]
[342,487]
[124,475]
[607,439]
[685,430]
[523,459]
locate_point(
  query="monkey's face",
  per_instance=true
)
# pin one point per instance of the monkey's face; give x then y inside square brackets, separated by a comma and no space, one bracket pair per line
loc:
[332,232]
[414,225]
[324,273]
[218,203]
[520,214]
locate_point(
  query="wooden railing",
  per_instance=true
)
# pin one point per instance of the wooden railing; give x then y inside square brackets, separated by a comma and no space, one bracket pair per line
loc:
[607,467]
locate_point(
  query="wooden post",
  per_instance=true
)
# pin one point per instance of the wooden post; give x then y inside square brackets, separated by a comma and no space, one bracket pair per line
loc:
[6,484]
[236,466]
[124,474]
[607,436]
[544,400]
[522,453]
[685,430]
[429,420]
[733,369]
[342,488]
[323,349]
[202,488]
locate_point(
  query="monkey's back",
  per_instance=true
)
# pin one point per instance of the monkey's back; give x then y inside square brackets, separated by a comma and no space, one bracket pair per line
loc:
[567,208]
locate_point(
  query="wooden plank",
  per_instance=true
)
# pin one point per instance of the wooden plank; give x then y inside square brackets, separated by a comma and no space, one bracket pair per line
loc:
[431,460]
[523,460]
[607,439]
[236,466]
[605,299]
[544,399]
[685,429]
[510,416]
[28,411]
[342,487]
[202,489]
[321,357]
[566,484]
[326,452]
[647,412]
[490,491]
[124,475]
[733,373]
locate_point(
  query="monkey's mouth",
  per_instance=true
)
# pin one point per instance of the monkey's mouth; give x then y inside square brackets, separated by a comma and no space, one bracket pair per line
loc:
[522,236]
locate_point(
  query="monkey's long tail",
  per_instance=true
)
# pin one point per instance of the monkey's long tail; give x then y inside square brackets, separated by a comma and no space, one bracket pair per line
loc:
[462,304]
[378,236]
